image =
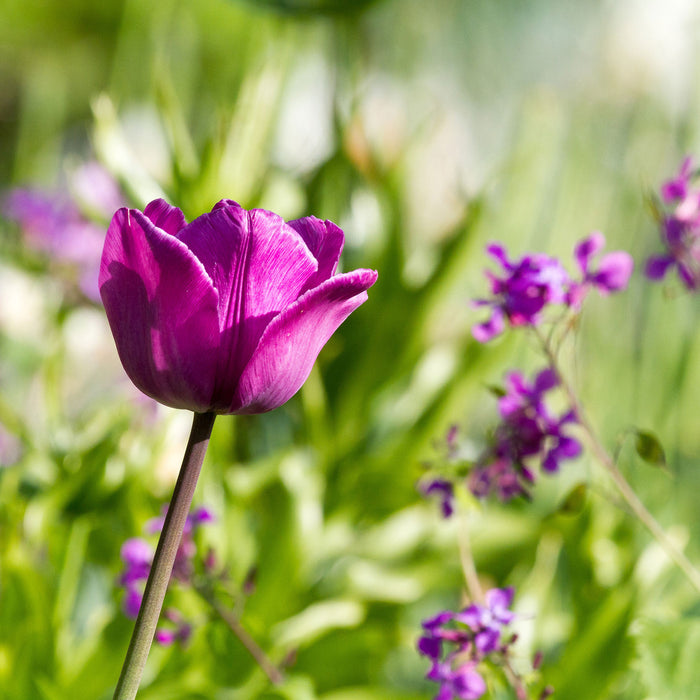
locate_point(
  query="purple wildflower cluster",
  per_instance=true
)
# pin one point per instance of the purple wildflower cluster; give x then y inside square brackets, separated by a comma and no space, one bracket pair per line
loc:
[679,229]
[55,224]
[137,555]
[535,282]
[528,433]
[456,643]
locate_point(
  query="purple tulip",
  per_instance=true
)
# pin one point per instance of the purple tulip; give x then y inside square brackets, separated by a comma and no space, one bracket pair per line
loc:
[226,314]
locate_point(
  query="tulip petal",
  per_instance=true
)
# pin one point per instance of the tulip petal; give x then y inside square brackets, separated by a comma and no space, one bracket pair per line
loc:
[325,241]
[162,308]
[258,265]
[288,348]
[165,217]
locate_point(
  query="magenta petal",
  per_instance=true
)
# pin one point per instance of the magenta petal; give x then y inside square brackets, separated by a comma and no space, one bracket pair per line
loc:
[136,551]
[288,348]
[688,276]
[657,266]
[166,217]
[445,692]
[468,683]
[223,203]
[325,241]
[614,271]
[677,188]
[497,251]
[259,266]
[547,379]
[483,332]
[164,637]
[500,599]
[569,447]
[430,647]
[162,309]
[587,248]
[132,603]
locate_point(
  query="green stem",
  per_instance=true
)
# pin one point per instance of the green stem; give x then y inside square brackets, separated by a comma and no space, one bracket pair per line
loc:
[163,561]
[626,491]
[466,558]
[271,671]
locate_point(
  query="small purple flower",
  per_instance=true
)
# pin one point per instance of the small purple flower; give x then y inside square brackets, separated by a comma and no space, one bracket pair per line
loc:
[456,643]
[177,631]
[537,281]
[522,292]
[131,604]
[201,515]
[463,682]
[527,432]
[137,555]
[680,230]
[488,620]
[613,272]
[53,224]
[499,476]
[678,188]
[444,490]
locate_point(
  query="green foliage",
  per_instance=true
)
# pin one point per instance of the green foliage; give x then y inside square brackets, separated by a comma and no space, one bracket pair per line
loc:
[668,653]
[447,125]
[649,448]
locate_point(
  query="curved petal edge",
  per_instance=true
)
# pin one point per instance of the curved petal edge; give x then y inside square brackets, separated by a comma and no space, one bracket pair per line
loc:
[162,309]
[291,343]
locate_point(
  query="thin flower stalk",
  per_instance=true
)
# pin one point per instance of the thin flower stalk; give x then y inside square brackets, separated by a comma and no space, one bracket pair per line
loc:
[268,667]
[623,486]
[471,577]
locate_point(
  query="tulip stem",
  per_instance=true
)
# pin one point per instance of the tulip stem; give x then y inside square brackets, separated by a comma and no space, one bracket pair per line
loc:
[164,558]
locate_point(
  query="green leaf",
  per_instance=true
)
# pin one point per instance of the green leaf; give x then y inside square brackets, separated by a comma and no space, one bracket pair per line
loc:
[668,655]
[495,390]
[575,500]
[649,448]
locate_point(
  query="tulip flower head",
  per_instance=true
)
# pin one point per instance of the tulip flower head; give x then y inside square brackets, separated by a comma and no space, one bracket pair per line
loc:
[226,314]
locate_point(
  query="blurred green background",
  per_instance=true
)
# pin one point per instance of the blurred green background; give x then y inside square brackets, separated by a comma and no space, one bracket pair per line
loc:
[425,130]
